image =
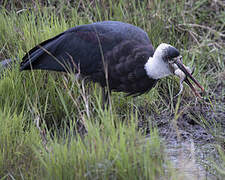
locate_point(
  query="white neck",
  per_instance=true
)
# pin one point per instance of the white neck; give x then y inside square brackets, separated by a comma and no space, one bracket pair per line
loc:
[156,67]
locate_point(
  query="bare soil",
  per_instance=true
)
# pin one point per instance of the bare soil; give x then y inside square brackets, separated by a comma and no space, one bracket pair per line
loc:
[190,140]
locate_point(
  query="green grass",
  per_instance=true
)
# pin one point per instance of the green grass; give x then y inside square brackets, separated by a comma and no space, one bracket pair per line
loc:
[44,115]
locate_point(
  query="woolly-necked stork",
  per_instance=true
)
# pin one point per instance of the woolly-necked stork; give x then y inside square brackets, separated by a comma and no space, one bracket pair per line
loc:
[112,53]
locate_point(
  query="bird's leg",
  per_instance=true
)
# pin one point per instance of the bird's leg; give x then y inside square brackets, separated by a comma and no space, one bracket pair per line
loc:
[108,98]
[105,97]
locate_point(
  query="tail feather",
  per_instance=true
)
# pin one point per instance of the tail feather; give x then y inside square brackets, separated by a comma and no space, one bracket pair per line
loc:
[44,56]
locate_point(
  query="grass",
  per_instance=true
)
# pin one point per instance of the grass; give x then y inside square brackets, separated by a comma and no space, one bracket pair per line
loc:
[44,116]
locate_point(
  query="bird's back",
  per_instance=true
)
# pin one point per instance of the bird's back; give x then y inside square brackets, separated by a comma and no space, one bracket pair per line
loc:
[89,47]
[83,44]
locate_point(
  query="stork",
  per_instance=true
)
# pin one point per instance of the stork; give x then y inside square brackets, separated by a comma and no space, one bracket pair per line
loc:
[114,54]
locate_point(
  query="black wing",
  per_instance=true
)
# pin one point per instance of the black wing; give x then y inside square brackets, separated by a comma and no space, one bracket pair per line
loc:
[126,68]
[81,47]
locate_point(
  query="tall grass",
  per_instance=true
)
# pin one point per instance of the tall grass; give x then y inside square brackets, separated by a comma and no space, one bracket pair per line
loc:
[18,138]
[104,153]
[54,127]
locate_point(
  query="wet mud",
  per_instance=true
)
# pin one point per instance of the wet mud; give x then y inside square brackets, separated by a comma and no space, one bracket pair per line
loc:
[190,140]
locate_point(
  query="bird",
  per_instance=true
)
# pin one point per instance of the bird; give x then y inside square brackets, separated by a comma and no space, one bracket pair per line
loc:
[117,55]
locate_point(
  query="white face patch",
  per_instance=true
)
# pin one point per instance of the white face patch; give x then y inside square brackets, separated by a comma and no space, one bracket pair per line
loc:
[156,67]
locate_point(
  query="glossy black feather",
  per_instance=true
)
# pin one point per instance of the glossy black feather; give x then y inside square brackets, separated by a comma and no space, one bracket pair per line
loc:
[118,49]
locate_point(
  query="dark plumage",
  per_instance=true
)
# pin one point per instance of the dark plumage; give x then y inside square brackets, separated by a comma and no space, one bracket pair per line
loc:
[120,47]
[110,51]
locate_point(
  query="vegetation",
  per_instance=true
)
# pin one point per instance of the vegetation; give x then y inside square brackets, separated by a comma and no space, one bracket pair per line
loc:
[53,127]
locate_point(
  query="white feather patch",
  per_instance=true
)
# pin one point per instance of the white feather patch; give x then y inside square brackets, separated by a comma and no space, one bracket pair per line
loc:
[156,67]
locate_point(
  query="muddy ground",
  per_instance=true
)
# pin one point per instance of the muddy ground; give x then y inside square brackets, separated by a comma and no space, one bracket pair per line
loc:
[191,140]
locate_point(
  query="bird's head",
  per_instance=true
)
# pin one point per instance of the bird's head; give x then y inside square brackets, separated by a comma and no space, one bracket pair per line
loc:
[167,61]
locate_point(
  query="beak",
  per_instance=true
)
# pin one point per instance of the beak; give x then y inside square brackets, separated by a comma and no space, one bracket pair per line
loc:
[188,75]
